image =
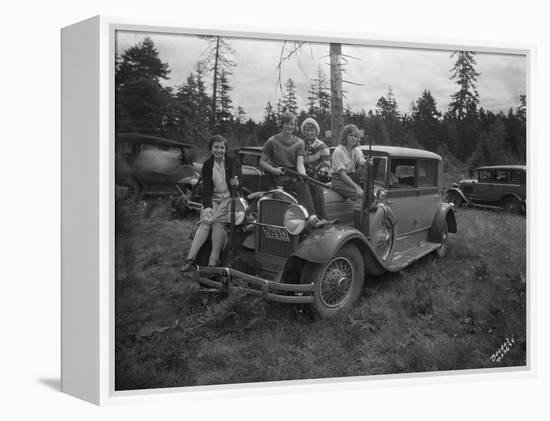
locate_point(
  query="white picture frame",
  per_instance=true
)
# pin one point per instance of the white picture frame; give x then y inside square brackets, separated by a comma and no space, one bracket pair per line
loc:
[88,208]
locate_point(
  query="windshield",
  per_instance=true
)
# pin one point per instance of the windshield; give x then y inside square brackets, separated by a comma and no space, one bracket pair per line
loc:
[379,170]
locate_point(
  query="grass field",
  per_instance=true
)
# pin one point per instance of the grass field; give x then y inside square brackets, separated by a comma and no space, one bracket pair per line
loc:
[448,314]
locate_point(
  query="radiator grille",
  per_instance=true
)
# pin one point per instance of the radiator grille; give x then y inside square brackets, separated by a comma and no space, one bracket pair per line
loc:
[275,241]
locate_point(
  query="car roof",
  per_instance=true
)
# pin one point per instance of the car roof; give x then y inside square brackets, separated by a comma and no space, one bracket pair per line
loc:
[149,139]
[256,149]
[503,167]
[379,149]
[398,151]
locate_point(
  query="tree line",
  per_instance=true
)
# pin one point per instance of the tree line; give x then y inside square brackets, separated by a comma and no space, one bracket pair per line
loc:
[465,134]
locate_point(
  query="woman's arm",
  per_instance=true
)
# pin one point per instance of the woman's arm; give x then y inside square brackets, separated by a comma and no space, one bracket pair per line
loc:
[300,164]
[266,166]
[347,179]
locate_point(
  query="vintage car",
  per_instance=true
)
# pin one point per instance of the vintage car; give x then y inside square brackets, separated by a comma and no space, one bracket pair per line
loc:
[498,186]
[152,166]
[253,179]
[402,219]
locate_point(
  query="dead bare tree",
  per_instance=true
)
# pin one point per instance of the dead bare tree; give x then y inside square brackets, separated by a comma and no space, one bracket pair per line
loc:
[337,60]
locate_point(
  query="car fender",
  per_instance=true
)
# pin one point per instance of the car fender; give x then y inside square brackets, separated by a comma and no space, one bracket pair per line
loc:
[382,211]
[515,196]
[459,191]
[445,213]
[323,243]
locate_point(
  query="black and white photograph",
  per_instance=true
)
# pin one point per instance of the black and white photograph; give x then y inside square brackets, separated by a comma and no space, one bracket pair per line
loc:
[298,210]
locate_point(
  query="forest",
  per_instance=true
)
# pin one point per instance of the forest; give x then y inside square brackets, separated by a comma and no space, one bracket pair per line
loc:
[465,134]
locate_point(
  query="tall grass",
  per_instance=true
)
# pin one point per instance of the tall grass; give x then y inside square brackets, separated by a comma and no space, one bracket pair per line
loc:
[447,314]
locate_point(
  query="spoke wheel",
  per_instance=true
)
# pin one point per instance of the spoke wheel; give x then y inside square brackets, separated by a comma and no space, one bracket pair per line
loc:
[335,283]
[383,239]
[338,283]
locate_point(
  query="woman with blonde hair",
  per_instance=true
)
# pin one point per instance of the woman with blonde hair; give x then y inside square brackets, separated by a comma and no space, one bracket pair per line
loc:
[345,160]
[316,159]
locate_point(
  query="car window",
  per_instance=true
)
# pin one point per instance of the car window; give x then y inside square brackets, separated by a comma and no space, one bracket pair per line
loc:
[402,173]
[427,172]
[485,176]
[517,176]
[186,156]
[502,176]
[250,159]
[126,148]
[379,169]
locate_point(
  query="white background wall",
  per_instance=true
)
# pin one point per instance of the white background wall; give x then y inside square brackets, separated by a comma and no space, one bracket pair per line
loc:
[30,225]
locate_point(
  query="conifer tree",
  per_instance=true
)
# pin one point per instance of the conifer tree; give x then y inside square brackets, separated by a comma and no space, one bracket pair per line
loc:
[141,103]
[466,99]
[289,100]
[219,61]
[463,106]
[426,122]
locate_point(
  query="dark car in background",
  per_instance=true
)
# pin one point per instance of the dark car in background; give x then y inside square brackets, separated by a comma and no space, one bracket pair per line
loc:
[253,178]
[497,186]
[153,166]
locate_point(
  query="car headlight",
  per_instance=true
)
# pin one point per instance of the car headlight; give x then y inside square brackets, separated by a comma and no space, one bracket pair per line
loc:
[295,219]
[240,210]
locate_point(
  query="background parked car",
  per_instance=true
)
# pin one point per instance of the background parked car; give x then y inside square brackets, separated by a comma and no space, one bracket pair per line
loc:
[153,166]
[501,186]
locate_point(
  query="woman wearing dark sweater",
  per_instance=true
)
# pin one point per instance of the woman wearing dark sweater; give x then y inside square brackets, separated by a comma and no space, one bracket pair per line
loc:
[217,172]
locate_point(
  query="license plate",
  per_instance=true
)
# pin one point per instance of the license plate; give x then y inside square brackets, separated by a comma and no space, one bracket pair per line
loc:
[278,234]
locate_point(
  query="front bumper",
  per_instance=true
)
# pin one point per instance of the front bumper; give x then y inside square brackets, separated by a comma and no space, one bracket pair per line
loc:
[226,279]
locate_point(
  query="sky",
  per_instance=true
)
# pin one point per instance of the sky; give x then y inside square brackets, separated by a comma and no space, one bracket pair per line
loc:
[372,69]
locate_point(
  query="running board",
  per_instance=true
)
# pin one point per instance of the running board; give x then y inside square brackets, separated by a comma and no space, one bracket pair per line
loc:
[401,259]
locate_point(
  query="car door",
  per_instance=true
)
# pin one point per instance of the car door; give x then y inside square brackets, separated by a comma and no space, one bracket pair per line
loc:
[483,190]
[428,196]
[402,194]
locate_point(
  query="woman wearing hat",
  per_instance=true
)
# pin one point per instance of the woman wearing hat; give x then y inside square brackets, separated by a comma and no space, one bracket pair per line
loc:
[284,150]
[316,158]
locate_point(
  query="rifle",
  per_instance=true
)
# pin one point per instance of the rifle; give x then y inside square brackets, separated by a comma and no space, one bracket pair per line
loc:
[306,178]
[235,184]
[367,196]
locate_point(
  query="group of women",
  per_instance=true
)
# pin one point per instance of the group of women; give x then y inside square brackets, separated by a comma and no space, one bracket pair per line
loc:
[283,150]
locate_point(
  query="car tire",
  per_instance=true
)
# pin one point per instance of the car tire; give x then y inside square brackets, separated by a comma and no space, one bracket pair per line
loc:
[444,240]
[134,191]
[337,283]
[511,204]
[454,198]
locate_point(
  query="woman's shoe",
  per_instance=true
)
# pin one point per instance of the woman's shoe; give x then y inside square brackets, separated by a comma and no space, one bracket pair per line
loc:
[188,265]
[315,222]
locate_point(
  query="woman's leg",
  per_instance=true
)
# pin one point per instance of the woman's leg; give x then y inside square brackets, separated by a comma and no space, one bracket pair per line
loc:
[218,240]
[304,196]
[318,200]
[200,238]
